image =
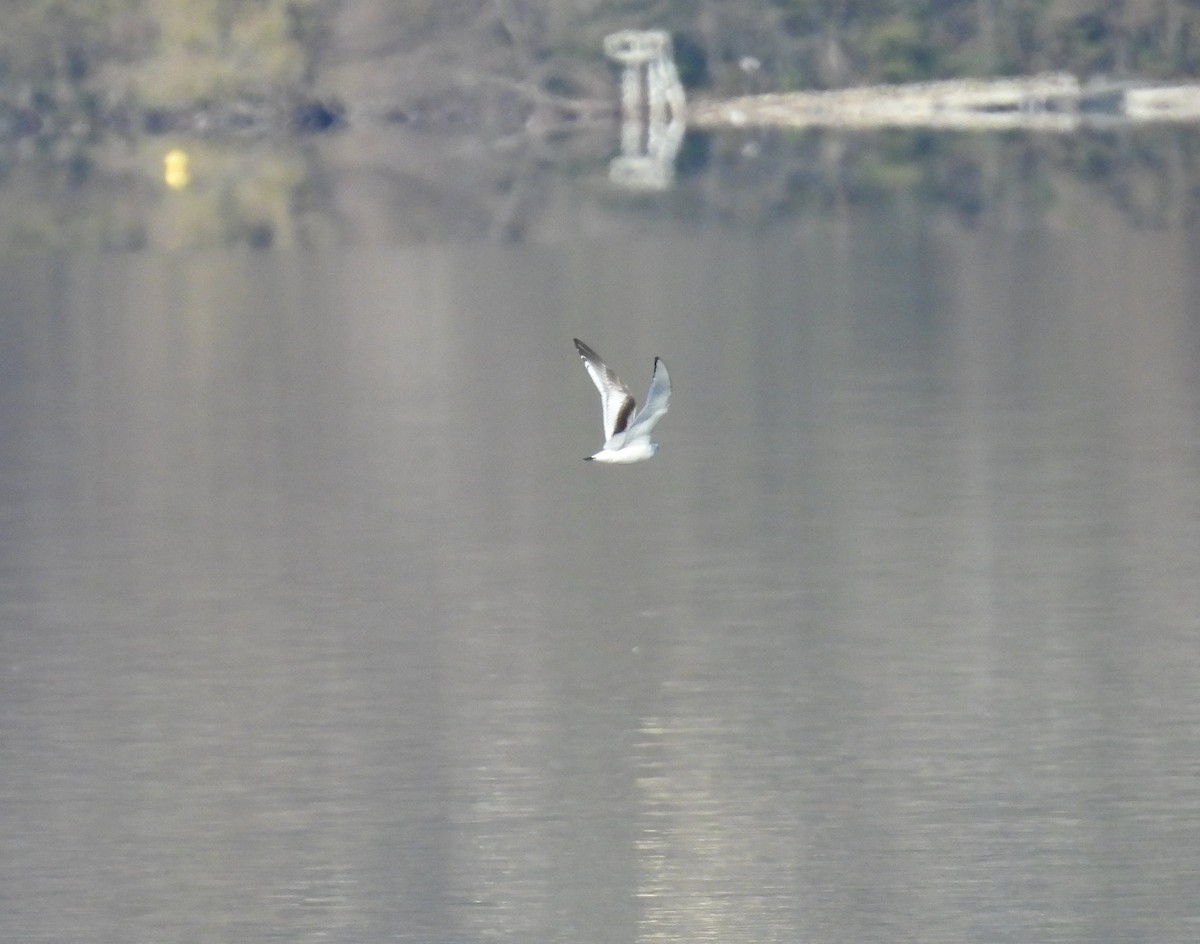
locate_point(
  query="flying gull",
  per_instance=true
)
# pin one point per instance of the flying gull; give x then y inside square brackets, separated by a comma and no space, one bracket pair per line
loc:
[626,436]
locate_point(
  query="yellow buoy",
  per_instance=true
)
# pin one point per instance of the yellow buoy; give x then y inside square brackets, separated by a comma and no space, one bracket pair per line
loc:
[175,169]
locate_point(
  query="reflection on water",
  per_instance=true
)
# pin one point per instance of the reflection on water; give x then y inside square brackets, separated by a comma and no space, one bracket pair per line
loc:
[385,184]
[315,626]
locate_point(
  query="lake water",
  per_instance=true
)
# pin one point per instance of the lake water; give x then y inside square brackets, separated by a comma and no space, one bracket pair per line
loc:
[316,628]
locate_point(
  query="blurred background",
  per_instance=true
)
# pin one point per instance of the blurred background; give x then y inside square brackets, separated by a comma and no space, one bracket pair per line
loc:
[314,626]
[316,123]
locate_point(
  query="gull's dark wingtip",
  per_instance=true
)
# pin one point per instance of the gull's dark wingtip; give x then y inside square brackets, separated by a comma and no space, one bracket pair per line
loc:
[588,458]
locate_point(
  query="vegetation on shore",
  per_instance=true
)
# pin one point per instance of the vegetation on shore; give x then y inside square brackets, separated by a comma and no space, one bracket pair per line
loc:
[67,62]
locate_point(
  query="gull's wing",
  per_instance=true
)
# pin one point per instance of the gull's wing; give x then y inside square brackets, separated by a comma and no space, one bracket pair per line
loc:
[615,399]
[657,401]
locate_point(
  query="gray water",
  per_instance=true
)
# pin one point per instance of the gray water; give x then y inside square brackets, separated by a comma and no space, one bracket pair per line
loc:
[314,626]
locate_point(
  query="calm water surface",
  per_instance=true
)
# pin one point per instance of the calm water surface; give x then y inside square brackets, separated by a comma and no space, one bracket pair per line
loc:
[314,626]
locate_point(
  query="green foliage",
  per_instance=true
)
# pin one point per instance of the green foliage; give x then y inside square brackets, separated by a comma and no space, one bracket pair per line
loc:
[898,50]
[167,53]
[824,43]
[162,51]
[220,49]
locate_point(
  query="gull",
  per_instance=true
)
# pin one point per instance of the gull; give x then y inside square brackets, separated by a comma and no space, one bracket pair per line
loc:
[626,437]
